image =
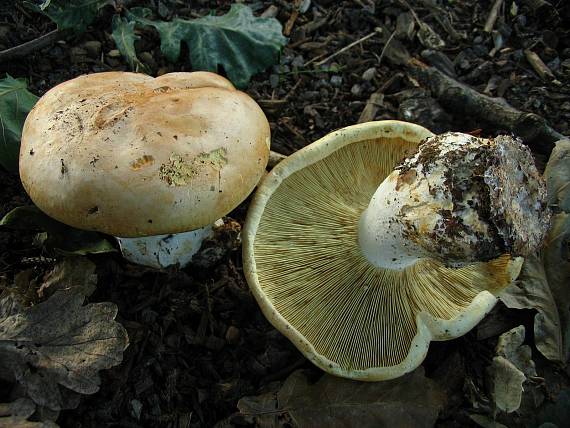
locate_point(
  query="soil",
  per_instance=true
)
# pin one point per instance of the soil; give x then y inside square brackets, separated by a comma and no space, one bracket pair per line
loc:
[198,341]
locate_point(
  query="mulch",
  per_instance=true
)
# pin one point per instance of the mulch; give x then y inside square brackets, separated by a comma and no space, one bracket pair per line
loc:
[198,341]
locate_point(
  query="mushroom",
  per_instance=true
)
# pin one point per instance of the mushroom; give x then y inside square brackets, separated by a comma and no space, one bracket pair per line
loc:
[362,259]
[153,161]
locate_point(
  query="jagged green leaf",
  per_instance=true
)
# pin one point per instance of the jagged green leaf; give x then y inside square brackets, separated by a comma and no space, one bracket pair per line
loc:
[73,15]
[124,37]
[56,236]
[15,103]
[238,41]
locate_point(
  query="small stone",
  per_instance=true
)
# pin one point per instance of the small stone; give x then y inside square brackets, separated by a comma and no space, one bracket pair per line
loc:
[114,53]
[148,59]
[336,80]
[274,80]
[369,74]
[136,409]
[77,55]
[233,335]
[298,61]
[305,5]
[214,343]
[356,90]
[93,48]
[113,62]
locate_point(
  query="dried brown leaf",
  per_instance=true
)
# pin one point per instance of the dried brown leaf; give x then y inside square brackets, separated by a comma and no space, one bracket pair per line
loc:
[509,370]
[409,401]
[58,343]
[543,284]
[76,273]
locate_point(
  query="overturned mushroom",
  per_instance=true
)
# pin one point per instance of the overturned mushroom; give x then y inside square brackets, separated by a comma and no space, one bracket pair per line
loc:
[154,161]
[361,259]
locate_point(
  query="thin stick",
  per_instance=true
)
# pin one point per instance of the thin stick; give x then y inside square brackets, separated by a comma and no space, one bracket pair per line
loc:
[538,65]
[33,45]
[492,18]
[347,47]
[385,47]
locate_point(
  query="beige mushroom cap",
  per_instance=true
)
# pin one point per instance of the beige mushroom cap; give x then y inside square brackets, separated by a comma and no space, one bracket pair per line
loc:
[131,155]
[303,262]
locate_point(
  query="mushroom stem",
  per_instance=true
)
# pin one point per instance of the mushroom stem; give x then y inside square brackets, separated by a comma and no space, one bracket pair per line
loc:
[160,251]
[459,199]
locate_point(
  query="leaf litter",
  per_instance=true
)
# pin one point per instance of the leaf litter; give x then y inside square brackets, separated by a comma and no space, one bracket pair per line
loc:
[545,278]
[198,378]
[55,349]
[409,401]
[510,369]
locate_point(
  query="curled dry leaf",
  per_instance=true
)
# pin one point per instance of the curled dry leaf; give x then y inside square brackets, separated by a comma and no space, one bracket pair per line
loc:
[543,284]
[409,401]
[58,345]
[510,369]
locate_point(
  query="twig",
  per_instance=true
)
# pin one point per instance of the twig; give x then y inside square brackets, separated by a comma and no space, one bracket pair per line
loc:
[385,47]
[371,108]
[460,98]
[538,65]
[33,45]
[292,18]
[377,30]
[492,18]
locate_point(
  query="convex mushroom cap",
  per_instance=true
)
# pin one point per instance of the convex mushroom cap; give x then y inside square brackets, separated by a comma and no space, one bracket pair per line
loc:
[153,161]
[333,262]
[131,155]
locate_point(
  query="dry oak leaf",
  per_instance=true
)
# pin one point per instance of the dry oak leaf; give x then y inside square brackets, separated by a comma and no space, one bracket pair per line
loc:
[409,401]
[59,344]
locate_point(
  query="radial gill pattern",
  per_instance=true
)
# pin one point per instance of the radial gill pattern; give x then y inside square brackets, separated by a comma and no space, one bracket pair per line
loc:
[310,267]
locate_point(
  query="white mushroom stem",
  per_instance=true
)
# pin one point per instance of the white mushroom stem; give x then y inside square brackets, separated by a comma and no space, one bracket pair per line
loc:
[160,251]
[460,199]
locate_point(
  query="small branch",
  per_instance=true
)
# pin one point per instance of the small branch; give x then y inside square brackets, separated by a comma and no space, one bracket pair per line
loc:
[356,42]
[33,45]
[292,19]
[371,108]
[385,47]
[461,99]
[538,65]
[492,18]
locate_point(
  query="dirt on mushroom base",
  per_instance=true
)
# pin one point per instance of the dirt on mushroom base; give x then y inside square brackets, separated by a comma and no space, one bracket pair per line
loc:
[199,342]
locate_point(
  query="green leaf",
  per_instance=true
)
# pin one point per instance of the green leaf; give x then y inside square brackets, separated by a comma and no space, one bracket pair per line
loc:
[15,104]
[70,14]
[124,36]
[56,236]
[238,41]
